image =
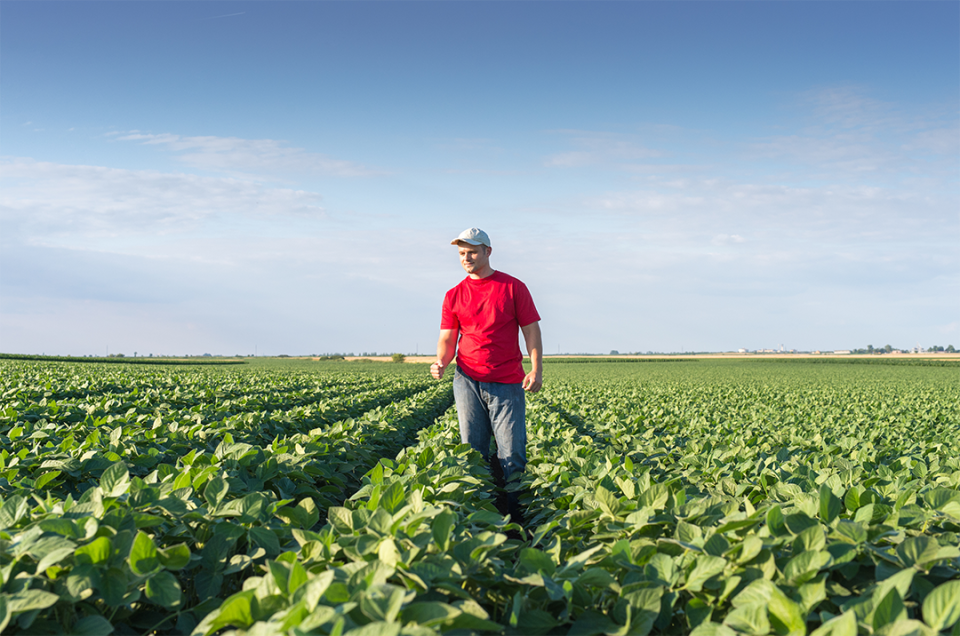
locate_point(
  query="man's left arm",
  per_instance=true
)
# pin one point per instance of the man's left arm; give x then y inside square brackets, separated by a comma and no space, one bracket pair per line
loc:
[531,335]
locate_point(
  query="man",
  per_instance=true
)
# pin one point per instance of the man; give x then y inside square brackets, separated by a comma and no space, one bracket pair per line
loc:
[483,315]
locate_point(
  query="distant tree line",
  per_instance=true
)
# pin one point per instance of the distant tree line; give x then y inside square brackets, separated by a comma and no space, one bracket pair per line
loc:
[889,349]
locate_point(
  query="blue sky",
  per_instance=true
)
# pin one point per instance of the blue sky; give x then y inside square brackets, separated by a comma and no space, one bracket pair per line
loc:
[225,177]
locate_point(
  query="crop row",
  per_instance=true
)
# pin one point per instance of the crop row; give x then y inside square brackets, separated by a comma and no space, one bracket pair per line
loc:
[660,499]
[418,550]
[93,537]
[35,394]
[757,519]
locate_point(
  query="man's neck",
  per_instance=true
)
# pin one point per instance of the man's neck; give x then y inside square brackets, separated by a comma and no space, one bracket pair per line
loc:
[489,271]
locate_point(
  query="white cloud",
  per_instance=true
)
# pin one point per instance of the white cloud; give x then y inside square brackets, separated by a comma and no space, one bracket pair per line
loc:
[849,107]
[599,148]
[727,239]
[571,159]
[42,199]
[827,214]
[847,153]
[842,134]
[246,157]
[940,141]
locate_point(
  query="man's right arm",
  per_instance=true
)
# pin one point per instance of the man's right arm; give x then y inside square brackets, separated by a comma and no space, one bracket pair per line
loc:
[446,350]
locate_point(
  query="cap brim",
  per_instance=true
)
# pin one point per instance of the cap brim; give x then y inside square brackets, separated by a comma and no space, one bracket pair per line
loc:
[470,241]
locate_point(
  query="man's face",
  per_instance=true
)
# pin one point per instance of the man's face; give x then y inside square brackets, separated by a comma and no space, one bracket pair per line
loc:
[474,258]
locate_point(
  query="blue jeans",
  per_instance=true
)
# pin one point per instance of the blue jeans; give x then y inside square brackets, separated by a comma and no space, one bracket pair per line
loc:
[486,408]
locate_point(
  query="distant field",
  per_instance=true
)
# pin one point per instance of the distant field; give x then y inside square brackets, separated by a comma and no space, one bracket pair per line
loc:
[715,356]
[716,496]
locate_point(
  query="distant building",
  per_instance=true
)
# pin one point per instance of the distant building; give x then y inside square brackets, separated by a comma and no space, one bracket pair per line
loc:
[841,352]
[741,350]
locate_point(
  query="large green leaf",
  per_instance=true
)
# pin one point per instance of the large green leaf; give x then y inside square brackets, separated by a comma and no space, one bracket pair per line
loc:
[708,628]
[163,589]
[534,622]
[655,497]
[12,511]
[393,497]
[235,612]
[608,501]
[749,619]
[830,505]
[946,500]
[175,557]
[805,566]
[215,492]
[27,600]
[889,610]
[798,522]
[144,559]
[536,561]
[592,622]
[706,567]
[62,526]
[441,528]
[786,617]
[918,551]
[941,607]
[266,539]
[429,614]
[645,608]
[900,581]
[92,626]
[376,628]
[661,570]
[905,627]
[113,586]
[383,602]
[776,522]
[851,531]
[341,519]
[811,538]
[115,480]
[851,499]
[251,507]
[843,625]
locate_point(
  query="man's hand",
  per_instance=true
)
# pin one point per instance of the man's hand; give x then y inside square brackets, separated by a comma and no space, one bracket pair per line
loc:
[531,335]
[446,349]
[533,381]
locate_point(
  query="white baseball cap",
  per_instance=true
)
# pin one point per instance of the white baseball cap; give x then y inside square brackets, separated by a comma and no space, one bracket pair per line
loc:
[473,236]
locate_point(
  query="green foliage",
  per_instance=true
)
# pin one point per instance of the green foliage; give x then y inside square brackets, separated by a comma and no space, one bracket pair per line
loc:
[119,358]
[760,498]
[716,498]
[146,497]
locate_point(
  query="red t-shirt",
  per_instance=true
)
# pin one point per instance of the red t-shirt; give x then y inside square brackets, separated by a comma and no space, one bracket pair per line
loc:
[489,312]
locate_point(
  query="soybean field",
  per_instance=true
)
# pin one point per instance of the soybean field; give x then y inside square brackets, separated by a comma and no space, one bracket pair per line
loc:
[331,498]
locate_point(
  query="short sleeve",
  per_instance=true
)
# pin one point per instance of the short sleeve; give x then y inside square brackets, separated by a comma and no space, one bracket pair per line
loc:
[448,319]
[526,311]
